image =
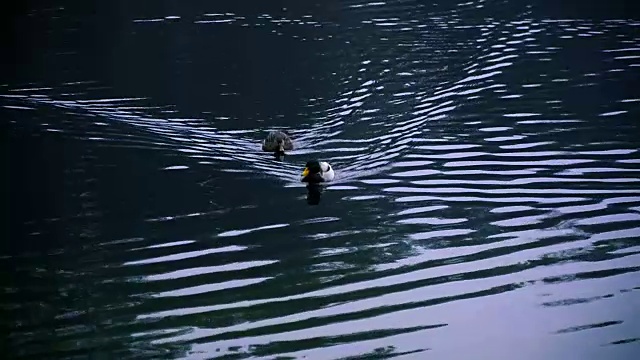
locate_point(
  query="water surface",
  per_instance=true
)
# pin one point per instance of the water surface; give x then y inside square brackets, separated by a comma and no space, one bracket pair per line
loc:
[486,202]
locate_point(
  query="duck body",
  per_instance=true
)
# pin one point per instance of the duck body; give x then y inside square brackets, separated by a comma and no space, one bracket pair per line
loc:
[277,142]
[317,172]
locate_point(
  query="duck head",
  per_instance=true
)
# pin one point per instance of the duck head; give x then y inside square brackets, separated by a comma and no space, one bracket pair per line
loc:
[279,153]
[312,172]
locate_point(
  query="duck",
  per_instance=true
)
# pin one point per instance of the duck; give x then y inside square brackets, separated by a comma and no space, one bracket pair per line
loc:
[278,142]
[317,172]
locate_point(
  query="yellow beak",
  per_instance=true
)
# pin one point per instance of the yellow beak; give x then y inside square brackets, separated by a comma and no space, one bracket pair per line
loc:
[305,172]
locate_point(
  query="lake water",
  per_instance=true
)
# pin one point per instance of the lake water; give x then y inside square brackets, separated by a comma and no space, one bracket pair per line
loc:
[486,202]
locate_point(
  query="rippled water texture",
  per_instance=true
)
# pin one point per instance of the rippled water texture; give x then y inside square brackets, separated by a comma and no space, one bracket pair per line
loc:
[486,202]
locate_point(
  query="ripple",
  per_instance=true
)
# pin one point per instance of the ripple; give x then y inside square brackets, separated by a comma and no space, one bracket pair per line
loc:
[175,167]
[484,159]
[208,288]
[185,255]
[178,274]
[586,327]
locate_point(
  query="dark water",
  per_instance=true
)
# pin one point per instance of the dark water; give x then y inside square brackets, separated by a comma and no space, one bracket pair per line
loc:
[486,202]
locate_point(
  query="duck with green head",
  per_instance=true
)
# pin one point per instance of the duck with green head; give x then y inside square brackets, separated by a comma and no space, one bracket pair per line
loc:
[317,171]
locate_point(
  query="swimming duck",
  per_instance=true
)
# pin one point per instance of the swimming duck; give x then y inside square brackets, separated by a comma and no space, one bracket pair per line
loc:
[278,142]
[317,171]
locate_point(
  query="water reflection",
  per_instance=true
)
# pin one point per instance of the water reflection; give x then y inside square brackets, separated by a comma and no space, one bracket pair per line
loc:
[314,193]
